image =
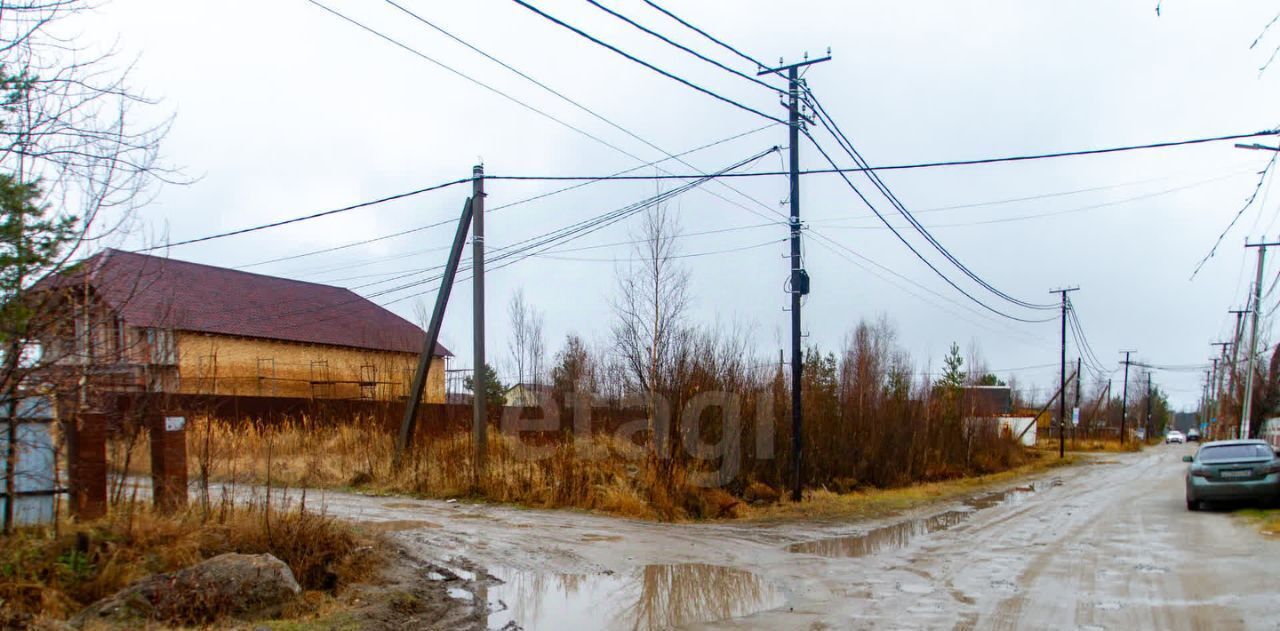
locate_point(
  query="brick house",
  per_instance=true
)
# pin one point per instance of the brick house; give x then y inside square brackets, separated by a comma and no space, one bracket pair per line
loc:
[129,322]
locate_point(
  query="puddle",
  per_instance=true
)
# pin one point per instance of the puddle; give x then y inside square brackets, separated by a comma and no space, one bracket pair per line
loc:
[651,597]
[402,505]
[398,525]
[898,535]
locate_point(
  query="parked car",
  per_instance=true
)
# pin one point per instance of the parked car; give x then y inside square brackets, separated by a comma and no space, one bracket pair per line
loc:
[1193,435]
[1174,436]
[1233,470]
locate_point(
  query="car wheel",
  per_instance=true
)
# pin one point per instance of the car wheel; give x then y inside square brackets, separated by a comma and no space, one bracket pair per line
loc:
[1192,505]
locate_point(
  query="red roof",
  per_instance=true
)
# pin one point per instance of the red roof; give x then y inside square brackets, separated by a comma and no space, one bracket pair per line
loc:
[153,291]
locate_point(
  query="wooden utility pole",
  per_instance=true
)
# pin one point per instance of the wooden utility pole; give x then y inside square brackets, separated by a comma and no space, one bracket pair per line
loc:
[1235,351]
[1124,400]
[1222,367]
[1062,375]
[480,420]
[1075,412]
[799,285]
[1149,428]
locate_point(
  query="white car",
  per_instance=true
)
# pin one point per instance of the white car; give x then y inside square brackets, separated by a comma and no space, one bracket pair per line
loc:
[1174,436]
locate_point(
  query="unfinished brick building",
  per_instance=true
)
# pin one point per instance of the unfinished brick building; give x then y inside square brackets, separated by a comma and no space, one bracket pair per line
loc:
[130,322]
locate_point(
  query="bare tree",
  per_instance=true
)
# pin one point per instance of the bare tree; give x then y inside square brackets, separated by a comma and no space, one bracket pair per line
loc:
[518,313]
[652,298]
[74,165]
[528,344]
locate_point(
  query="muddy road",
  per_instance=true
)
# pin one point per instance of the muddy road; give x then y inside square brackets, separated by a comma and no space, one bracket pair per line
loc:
[1107,545]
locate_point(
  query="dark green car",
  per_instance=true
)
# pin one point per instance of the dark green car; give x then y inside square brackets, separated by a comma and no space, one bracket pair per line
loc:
[1231,470]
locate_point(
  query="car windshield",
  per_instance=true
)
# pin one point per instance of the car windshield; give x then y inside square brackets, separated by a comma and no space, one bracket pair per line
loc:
[1234,452]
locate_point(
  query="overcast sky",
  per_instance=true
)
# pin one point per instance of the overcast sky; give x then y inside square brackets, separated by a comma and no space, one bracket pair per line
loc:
[285,109]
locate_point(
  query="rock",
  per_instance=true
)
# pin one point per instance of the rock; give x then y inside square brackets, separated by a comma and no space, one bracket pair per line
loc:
[245,586]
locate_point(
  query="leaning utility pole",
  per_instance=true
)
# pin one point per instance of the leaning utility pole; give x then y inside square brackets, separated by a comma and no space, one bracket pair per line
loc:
[799,278]
[1246,407]
[479,387]
[1062,375]
[1124,400]
[413,398]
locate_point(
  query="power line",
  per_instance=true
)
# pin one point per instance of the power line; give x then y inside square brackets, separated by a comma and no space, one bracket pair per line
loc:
[854,257]
[685,48]
[909,166]
[1262,177]
[392,235]
[646,64]
[707,35]
[833,128]
[326,213]
[465,76]
[1052,213]
[741,248]
[567,99]
[912,248]
[348,245]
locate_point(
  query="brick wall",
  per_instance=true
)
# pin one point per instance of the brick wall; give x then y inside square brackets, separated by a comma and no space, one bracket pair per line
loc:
[226,365]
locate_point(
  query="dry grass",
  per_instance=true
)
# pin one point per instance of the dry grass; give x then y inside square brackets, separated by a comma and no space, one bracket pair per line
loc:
[621,480]
[606,474]
[1091,445]
[54,574]
[1266,520]
[872,503]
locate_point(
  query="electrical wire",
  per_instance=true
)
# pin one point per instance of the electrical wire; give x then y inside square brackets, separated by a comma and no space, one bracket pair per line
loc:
[463,75]
[706,35]
[498,208]
[646,64]
[686,49]
[284,222]
[911,165]
[857,259]
[742,248]
[1262,177]
[1040,215]
[575,103]
[833,128]
[912,248]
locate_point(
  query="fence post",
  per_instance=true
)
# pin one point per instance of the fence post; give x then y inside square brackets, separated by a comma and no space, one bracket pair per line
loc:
[87,464]
[168,461]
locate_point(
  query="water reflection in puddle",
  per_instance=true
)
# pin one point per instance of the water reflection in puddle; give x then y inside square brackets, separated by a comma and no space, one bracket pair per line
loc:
[898,535]
[651,597]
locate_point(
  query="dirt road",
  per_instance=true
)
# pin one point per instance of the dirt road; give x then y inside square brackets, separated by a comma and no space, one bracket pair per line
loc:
[1107,545]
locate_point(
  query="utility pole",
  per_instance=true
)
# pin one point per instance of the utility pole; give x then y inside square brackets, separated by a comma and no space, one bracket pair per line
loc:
[1217,386]
[1124,400]
[1235,352]
[480,419]
[414,398]
[1062,375]
[1246,408]
[1107,398]
[1204,399]
[799,285]
[1213,391]
[1149,428]
[1075,414]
